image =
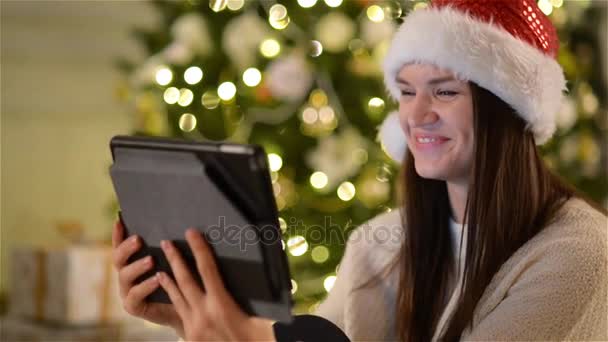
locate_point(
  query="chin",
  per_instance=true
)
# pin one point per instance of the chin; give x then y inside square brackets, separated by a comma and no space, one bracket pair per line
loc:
[430,171]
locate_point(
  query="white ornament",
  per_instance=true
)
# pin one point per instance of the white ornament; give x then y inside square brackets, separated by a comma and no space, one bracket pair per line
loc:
[289,78]
[392,137]
[334,31]
[373,33]
[336,156]
[190,31]
[177,53]
[241,39]
[567,114]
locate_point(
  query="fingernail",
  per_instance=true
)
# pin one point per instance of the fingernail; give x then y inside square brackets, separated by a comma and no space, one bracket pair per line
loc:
[159,276]
[164,244]
[133,239]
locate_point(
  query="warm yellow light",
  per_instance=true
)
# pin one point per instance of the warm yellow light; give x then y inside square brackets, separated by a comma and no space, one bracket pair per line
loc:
[171,95]
[326,114]
[270,48]
[252,77]
[185,97]
[376,105]
[294,286]
[193,75]
[164,76]
[318,180]
[375,13]
[307,3]
[217,5]
[187,122]
[557,3]
[283,244]
[282,224]
[333,3]
[235,5]
[226,91]
[277,16]
[346,191]
[297,245]
[210,100]
[545,6]
[316,49]
[329,282]
[275,162]
[309,115]
[319,254]
[318,98]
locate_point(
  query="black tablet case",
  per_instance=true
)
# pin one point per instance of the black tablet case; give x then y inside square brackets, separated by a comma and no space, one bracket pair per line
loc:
[166,186]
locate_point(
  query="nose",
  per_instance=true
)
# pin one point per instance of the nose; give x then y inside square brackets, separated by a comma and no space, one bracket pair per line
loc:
[419,111]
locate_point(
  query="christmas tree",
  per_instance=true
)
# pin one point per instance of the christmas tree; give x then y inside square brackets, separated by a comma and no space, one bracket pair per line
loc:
[303,79]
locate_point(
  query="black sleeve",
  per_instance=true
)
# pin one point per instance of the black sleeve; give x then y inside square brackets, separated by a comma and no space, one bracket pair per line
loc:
[308,328]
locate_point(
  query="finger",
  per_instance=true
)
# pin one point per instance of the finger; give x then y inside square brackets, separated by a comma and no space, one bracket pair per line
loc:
[124,250]
[128,274]
[137,294]
[205,262]
[192,292]
[117,234]
[177,298]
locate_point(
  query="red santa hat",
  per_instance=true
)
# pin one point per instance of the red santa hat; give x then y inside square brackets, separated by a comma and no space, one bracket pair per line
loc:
[508,47]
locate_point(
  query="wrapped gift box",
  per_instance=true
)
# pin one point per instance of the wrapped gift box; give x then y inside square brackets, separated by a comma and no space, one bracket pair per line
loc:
[73,285]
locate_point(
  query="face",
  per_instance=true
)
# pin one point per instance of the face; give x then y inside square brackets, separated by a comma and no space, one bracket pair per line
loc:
[436,113]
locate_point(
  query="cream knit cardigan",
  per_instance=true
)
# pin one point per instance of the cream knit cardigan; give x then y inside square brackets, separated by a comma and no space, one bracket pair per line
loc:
[555,287]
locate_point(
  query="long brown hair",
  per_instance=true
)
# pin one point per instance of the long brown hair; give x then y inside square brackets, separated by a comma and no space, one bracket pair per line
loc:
[512,195]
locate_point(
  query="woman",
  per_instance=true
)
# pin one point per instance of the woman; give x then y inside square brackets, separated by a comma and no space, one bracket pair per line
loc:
[492,245]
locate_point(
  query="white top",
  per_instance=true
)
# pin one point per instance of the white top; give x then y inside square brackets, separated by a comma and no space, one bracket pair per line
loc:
[552,288]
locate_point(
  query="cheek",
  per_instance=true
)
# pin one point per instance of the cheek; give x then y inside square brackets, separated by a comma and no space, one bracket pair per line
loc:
[403,122]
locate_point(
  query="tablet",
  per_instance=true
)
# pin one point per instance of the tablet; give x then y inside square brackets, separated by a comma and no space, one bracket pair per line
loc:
[165,186]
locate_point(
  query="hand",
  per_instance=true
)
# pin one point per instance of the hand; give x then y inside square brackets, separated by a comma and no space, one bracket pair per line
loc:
[210,314]
[133,296]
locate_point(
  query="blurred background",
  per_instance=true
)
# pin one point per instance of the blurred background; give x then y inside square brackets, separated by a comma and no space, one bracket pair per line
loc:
[302,78]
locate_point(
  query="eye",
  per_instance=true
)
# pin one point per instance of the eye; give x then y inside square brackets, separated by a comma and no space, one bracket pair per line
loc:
[407,93]
[446,93]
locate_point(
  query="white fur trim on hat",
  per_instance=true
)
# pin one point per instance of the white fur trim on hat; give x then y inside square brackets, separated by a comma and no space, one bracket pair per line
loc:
[392,138]
[515,71]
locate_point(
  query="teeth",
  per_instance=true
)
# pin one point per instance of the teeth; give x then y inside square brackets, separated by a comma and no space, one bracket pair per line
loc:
[426,140]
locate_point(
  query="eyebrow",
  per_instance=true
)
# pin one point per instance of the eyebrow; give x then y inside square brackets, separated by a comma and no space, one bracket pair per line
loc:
[432,81]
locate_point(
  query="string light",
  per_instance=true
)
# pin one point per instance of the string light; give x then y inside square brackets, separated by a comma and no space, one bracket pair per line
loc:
[316,49]
[171,95]
[309,115]
[297,245]
[187,122]
[226,91]
[333,3]
[545,6]
[375,13]
[319,254]
[252,77]
[346,191]
[210,100]
[193,75]
[326,114]
[307,3]
[318,98]
[376,105]
[282,224]
[270,48]
[329,282]
[217,5]
[294,286]
[318,180]
[275,162]
[235,5]
[185,97]
[164,76]
[277,16]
